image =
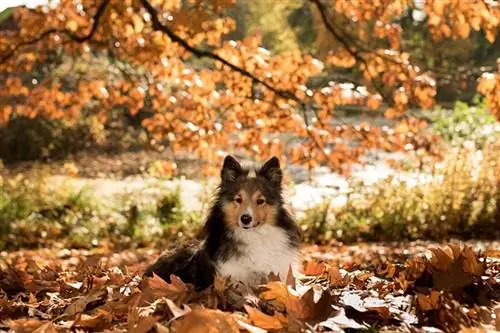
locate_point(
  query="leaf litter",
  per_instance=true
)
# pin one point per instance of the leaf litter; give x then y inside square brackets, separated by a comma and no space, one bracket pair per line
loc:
[405,287]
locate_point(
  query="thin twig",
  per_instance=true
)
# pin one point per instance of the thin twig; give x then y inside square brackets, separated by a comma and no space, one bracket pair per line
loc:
[70,34]
[157,25]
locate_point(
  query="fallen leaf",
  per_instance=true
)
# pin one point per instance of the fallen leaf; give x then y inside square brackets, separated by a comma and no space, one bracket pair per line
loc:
[428,302]
[80,304]
[32,325]
[250,328]
[206,321]
[305,308]
[97,321]
[155,287]
[275,291]
[470,263]
[262,320]
[314,268]
[46,328]
[339,321]
[176,311]
[290,278]
[335,278]
[144,324]
[441,257]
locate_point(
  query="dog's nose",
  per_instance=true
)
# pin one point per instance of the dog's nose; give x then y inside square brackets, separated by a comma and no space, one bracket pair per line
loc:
[246,219]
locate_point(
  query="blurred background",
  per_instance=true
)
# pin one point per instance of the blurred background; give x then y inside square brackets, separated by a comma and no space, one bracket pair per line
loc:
[115,116]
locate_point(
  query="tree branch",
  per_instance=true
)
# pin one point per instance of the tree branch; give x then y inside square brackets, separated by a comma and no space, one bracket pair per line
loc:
[70,34]
[157,25]
[347,42]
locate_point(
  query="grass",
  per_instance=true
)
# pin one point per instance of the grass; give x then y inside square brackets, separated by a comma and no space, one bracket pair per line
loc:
[460,200]
[32,216]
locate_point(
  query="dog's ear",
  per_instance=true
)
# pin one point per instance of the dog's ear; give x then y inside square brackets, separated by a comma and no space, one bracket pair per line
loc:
[231,169]
[271,171]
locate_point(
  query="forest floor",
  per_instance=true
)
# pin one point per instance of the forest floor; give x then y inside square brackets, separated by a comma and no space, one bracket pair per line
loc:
[403,287]
[369,287]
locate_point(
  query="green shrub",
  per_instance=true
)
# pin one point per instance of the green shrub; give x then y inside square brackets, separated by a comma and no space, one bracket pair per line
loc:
[465,123]
[169,208]
[24,139]
[158,220]
[27,139]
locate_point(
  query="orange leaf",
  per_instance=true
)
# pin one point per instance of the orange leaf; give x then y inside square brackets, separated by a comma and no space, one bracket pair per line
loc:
[314,268]
[206,321]
[275,291]
[161,288]
[262,320]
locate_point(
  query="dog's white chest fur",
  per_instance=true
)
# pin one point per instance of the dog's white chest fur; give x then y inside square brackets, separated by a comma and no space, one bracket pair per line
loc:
[263,250]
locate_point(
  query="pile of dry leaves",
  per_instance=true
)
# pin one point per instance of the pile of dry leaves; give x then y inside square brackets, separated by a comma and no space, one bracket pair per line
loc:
[413,287]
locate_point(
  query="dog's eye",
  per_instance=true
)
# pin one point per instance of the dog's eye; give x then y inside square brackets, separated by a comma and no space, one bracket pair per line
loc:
[260,201]
[238,200]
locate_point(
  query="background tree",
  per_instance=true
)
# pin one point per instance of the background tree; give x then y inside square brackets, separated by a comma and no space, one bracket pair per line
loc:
[170,65]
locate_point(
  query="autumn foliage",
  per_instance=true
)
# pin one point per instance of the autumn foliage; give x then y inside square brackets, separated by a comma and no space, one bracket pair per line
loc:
[198,90]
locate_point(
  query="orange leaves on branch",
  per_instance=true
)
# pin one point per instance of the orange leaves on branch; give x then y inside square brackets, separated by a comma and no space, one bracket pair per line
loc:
[193,105]
[341,58]
[448,18]
[489,86]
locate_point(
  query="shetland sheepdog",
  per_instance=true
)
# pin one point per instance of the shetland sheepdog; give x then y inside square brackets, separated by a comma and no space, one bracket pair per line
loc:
[247,235]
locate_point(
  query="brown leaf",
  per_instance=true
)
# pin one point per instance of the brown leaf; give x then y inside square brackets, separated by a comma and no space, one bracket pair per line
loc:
[492,253]
[144,324]
[176,311]
[305,308]
[335,278]
[428,302]
[441,257]
[46,328]
[161,328]
[471,264]
[453,278]
[290,278]
[80,304]
[155,287]
[32,325]
[250,328]
[97,321]
[221,283]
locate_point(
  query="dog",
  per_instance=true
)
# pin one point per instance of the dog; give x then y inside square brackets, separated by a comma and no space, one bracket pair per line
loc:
[247,235]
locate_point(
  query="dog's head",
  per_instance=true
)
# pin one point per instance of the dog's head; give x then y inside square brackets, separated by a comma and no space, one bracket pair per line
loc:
[249,200]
